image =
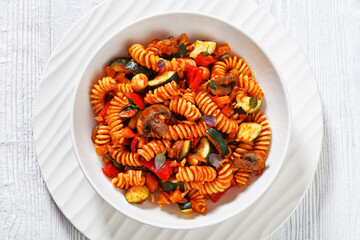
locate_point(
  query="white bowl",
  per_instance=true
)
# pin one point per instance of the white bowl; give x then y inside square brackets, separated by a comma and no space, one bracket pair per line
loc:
[196,26]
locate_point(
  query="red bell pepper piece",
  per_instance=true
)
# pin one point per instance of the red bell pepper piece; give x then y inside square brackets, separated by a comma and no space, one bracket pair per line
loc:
[163,173]
[190,74]
[201,60]
[197,80]
[196,141]
[137,99]
[102,113]
[134,142]
[110,171]
[216,196]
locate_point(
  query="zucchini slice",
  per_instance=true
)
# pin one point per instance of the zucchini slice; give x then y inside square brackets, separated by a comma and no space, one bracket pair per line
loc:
[172,185]
[248,132]
[204,147]
[203,46]
[185,149]
[215,137]
[137,194]
[118,64]
[186,207]
[120,61]
[163,78]
[137,68]
[245,105]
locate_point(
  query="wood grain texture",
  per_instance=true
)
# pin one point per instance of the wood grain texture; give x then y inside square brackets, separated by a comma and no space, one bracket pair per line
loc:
[328,31]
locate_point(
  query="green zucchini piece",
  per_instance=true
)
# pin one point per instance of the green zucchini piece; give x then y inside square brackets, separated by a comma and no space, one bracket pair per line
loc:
[246,107]
[120,61]
[171,186]
[163,78]
[185,149]
[217,140]
[137,194]
[182,51]
[137,68]
[204,147]
[248,132]
[185,207]
[203,46]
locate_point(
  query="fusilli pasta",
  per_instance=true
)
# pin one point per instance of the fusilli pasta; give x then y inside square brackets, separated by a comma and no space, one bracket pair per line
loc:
[174,132]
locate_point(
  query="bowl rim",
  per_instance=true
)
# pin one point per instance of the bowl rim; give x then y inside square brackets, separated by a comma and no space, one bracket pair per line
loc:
[200,224]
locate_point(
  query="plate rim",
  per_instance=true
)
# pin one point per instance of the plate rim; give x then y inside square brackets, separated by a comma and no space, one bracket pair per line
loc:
[186,225]
[55,52]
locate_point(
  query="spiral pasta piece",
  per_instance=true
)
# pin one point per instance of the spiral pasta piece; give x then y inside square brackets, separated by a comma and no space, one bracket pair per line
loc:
[208,107]
[150,150]
[189,95]
[153,47]
[185,108]
[128,179]
[196,173]
[185,131]
[99,92]
[124,157]
[234,63]
[124,88]
[117,104]
[143,57]
[262,142]
[251,86]
[150,60]
[219,184]
[242,177]
[163,93]
[242,148]
[197,200]
[102,140]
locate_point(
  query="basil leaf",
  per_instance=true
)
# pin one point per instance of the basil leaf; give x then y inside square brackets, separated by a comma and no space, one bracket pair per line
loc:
[212,84]
[253,102]
[160,160]
[215,159]
[131,101]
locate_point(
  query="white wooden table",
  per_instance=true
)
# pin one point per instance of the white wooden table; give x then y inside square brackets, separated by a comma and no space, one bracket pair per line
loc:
[328,31]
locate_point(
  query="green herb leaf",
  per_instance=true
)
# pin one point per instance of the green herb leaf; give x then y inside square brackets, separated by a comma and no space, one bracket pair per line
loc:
[135,107]
[118,165]
[181,50]
[160,160]
[225,55]
[132,105]
[212,84]
[205,54]
[253,102]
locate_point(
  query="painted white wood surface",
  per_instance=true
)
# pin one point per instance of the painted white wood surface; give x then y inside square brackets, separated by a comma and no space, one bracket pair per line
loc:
[328,31]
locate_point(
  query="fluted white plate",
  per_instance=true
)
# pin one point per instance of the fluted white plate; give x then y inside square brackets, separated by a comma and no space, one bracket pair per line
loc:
[67,184]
